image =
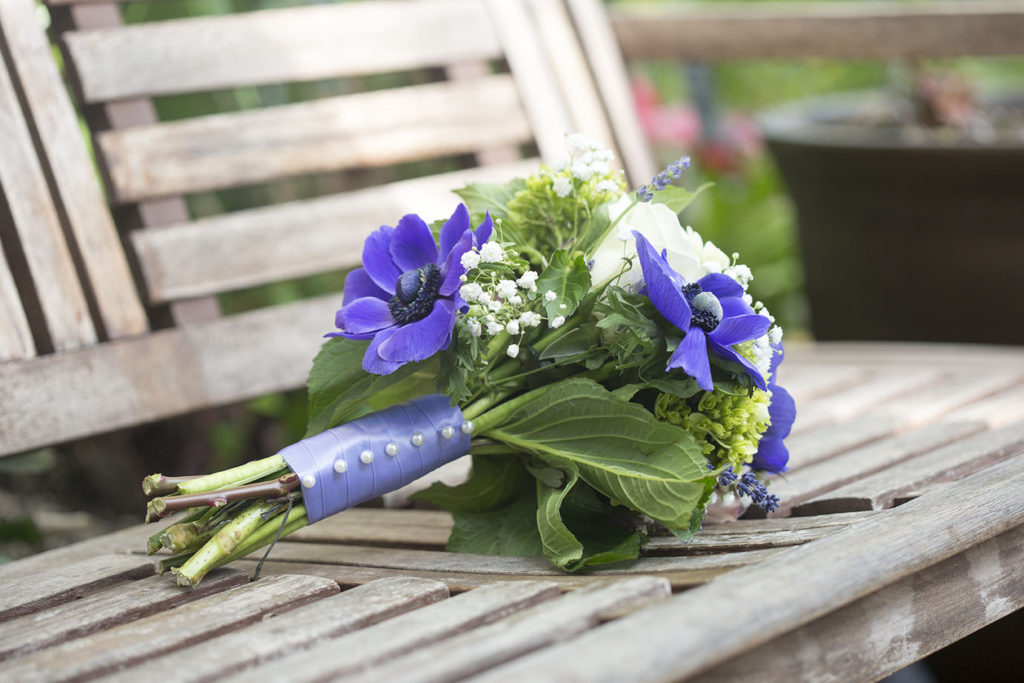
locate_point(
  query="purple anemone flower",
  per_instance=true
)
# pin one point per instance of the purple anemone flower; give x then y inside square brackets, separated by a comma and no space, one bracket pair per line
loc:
[405,296]
[711,312]
[772,454]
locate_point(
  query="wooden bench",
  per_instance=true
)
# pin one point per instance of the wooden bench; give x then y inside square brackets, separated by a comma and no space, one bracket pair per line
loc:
[903,526]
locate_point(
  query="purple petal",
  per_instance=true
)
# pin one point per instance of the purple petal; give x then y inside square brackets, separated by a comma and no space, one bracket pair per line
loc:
[692,357]
[728,353]
[782,411]
[483,231]
[412,245]
[453,229]
[366,315]
[663,285]
[359,284]
[377,259]
[372,362]
[720,285]
[733,306]
[452,269]
[424,338]
[740,329]
[772,455]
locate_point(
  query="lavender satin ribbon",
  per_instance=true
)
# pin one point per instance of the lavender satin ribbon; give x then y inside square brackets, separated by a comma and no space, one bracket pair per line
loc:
[377,453]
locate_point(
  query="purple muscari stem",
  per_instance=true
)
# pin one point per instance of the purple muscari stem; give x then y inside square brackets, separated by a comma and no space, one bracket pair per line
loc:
[377,453]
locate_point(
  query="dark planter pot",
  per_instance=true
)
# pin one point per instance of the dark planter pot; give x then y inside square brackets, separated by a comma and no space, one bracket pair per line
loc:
[904,241]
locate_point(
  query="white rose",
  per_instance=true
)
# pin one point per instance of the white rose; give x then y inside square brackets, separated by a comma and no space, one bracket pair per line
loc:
[660,226]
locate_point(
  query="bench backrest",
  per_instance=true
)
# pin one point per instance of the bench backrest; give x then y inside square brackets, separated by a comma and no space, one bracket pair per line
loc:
[119,321]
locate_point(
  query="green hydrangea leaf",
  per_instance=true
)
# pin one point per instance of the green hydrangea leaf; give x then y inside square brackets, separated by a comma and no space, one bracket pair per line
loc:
[508,530]
[339,389]
[492,198]
[618,448]
[569,279]
[494,481]
[678,198]
[561,547]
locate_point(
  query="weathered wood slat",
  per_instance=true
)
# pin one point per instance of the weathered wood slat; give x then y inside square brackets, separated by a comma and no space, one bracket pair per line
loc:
[96,240]
[809,381]
[367,129]
[875,355]
[130,643]
[542,101]
[36,234]
[210,53]
[612,81]
[862,30]
[289,240]
[131,381]
[946,464]
[530,630]
[60,585]
[814,479]
[409,631]
[828,440]
[292,631]
[116,605]
[492,565]
[899,624]
[705,626]
[15,335]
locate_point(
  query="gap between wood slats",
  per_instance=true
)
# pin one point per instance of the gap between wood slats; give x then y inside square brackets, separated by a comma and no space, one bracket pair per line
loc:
[862,30]
[278,46]
[273,243]
[92,235]
[711,624]
[367,129]
[127,644]
[34,244]
[902,623]
[131,381]
[290,632]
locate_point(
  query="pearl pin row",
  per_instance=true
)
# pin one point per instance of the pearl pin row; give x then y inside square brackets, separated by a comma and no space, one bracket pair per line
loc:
[391,448]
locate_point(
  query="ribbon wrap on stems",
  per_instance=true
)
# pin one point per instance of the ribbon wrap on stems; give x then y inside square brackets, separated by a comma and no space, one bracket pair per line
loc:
[377,453]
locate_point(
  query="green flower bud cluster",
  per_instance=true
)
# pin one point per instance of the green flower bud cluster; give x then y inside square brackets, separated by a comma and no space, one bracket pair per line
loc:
[728,427]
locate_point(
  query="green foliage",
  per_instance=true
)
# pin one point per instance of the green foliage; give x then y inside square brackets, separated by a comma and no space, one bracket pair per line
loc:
[490,198]
[494,481]
[567,276]
[678,199]
[561,547]
[619,448]
[339,388]
[508,530]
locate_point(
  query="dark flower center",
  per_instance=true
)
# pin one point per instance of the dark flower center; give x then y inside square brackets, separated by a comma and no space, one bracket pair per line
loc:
[415,294]
[705,308]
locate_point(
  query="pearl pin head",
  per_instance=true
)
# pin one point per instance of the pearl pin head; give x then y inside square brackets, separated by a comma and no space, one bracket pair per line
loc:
[391,449]
[467,427]
[309,481]
[340,466]
[366,457]
[417,439]
[447,432]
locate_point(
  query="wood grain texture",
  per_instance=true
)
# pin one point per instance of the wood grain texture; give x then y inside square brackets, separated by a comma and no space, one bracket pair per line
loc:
[60,585]
[528,631]
[862,30]
[542,100]
[104,609]
[290,632]
[612,82]
[368,129]
[268,244]
[699,629]
[902,623]
[278,46]
[952,462]
[36,234]
[132,381]
[15,335]
[130,643]
[407,632]
[96,241]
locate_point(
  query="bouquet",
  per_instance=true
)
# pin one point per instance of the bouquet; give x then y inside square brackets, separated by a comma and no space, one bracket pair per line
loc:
[604,367]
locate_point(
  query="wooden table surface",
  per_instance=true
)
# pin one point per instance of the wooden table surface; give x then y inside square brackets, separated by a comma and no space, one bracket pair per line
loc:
[902,530]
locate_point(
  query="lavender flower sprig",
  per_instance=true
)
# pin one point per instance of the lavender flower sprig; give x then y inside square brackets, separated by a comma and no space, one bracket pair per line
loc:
[646,192]
[749,486]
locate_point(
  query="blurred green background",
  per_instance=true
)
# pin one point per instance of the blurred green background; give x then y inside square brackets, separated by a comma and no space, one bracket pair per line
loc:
[702,110]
